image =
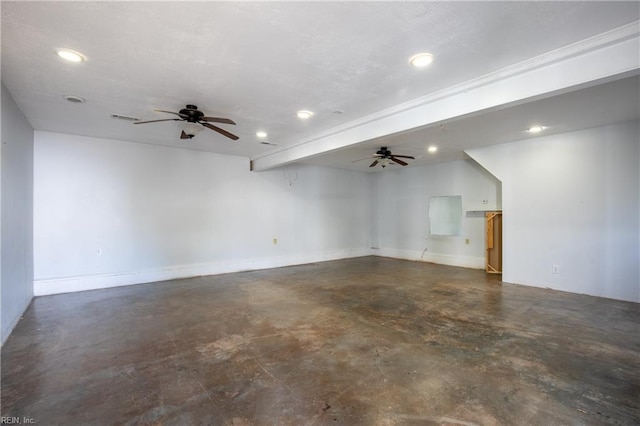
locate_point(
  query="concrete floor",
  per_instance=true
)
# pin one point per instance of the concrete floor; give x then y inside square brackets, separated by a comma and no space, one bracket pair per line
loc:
[367,341]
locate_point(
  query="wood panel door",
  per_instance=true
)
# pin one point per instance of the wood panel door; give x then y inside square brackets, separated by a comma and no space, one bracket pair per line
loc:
[494,242]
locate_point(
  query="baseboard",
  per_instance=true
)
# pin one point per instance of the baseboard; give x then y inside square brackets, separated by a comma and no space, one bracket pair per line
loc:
[94,282]
[443,259]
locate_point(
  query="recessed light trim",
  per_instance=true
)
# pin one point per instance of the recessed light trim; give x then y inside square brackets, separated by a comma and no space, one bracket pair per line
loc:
[261,134]
[432,149]
[535,129]
[71,55]
[75,99]
[421,60]
[304,114]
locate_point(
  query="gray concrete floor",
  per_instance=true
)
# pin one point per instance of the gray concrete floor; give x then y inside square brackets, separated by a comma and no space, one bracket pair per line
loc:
[367,341]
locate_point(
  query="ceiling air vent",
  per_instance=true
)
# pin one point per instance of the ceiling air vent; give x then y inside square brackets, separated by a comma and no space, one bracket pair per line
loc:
[124,117]
[75,99]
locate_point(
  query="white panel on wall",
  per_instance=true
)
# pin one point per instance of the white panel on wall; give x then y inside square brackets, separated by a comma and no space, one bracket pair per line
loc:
[572,206]
[110,212]
[445,215]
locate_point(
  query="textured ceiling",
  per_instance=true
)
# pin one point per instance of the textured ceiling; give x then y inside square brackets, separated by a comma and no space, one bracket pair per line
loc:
[259,62]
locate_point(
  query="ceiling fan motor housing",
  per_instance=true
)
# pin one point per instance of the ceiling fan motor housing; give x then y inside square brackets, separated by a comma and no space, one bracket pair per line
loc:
[191,113]
[384,152]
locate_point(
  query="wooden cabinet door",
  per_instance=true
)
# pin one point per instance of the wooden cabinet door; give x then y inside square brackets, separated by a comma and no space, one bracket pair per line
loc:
[494,242]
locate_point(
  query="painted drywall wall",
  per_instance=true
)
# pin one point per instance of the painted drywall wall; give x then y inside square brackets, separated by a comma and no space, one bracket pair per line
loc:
[16,214]
[110,213]
[115,213]
[401,215]
[571,200]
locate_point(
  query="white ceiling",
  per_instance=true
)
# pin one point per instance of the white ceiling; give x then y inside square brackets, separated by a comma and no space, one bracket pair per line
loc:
[595,106]
[259,62]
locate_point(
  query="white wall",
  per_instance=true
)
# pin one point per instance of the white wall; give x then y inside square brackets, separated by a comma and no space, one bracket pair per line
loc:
[157,213]
[16,289]
[401,216]
[572,200]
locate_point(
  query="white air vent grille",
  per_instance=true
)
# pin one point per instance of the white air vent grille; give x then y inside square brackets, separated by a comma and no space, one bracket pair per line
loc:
[124,117]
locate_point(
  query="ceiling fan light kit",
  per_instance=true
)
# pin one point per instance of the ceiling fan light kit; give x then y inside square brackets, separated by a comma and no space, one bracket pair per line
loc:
[190,129]
[194,120]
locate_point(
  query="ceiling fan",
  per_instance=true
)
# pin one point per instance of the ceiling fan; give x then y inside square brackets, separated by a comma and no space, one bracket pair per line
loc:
[194,119]
[385,157]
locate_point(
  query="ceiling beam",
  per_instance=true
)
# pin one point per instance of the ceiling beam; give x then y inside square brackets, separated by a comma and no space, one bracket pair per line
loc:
[605,57]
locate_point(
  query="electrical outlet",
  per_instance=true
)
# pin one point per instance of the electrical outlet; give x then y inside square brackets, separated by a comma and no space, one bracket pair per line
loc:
[98,251]
[466,241]
[555,269]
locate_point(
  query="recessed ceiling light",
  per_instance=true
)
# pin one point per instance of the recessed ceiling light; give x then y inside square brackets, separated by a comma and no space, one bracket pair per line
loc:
[261,134]
[71,55]
[535,129]
[75,99]
[432,149]
[421,60]
[304,114]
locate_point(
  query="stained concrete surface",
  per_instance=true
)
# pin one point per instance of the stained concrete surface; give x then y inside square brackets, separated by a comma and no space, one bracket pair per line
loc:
[366,341]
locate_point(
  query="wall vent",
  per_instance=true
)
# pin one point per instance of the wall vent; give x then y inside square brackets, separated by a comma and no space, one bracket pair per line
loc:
[124,117]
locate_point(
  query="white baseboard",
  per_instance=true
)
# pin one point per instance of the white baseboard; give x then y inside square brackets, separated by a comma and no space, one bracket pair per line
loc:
[94,282]
[443,259]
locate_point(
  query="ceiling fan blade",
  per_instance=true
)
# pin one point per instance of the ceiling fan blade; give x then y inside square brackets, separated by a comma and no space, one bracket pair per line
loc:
[219,130]
[168,112]
[366,158]
[155,121]
[218,120]
[374,163]
[402,163]
[183,135]
[404,156]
